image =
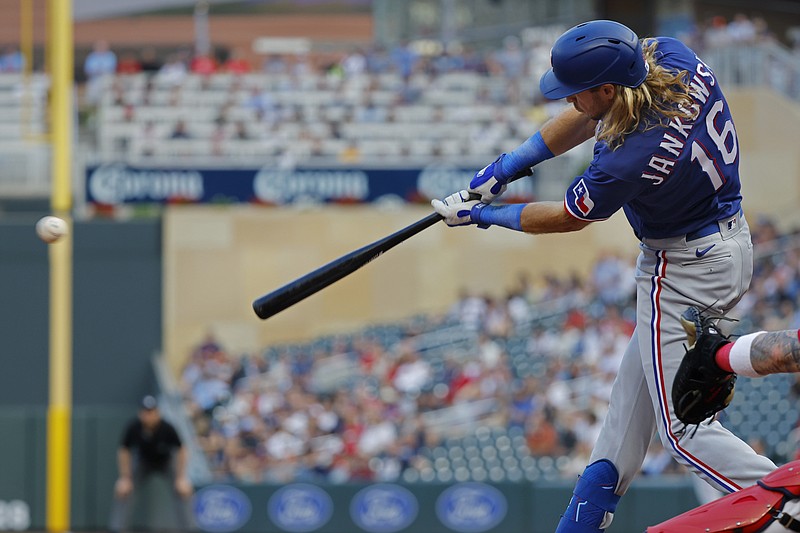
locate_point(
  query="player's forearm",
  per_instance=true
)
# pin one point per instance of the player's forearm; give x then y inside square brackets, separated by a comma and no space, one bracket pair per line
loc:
[181,460]
[558,135]
[567,130]
[549,217]
[124,462]
[776,352]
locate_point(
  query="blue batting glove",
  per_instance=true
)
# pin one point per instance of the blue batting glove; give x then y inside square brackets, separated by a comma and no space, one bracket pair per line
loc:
[490,182]
[456,209]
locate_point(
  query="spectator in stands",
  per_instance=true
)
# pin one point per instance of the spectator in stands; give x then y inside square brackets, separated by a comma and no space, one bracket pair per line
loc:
[219,136]
[150,446]
[404,59]
[611,278]
[474,60]
[519,308]
[203,64]
[263,103]
[525,401]
[378,60]
[378,433]
[541,433]
[149,60]
[763,33]
[241,131]
[448,61]
[180,131]
[236,63]
[469,309]
[275,64]
[301,65]
[354,64]
[716,33]
[99,64]
[370,112]
[496,320]
[174,70]
[350,153]
[148,138]
[742,30]
[12,60]
[128,64]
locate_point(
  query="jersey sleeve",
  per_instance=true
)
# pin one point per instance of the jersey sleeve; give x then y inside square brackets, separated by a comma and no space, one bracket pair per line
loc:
[172,436]
[595,195]
[128,439]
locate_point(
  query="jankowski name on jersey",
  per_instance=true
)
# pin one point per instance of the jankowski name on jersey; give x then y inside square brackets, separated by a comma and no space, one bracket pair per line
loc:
[674,139]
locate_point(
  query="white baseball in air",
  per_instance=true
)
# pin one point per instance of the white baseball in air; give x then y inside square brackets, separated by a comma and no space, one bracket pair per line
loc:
[51,228]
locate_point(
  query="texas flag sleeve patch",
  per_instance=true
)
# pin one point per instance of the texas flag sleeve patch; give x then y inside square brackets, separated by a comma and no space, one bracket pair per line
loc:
[583,202]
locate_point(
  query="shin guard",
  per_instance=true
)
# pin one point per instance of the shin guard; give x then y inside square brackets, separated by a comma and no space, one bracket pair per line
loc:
[593,502]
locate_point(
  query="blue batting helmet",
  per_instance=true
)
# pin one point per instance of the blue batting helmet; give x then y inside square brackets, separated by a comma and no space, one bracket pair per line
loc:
[591,54]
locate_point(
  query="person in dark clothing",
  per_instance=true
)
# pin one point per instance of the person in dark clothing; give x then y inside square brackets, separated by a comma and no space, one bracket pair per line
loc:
[150,446]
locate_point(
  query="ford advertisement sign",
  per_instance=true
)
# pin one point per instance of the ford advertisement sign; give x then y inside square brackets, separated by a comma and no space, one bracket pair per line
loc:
[384,508]
[300,508]
[471,507]
[221,508]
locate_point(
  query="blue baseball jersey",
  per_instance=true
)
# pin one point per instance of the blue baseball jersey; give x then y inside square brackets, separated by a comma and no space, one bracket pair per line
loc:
[669,180]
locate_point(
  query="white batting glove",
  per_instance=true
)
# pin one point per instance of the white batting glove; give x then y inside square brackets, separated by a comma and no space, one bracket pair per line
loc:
[491,181]
[456,208]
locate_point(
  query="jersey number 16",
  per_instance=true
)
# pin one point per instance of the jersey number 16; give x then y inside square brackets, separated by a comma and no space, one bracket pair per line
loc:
[721,138]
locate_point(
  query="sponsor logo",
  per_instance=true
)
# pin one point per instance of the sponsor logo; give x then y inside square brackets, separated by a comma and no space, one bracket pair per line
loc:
[471,507]
[700,253]
[300,508]
[440,180]
[117,183]
[383,508]
[286,186]
[221,508]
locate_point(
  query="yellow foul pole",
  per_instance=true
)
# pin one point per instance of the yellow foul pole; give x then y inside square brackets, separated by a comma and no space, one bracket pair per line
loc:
[60,61]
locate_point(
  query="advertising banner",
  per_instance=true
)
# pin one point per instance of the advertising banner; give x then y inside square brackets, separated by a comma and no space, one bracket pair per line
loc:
[119,184]
[467,507]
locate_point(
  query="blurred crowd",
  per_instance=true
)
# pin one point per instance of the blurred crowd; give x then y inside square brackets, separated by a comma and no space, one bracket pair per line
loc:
[236,105]
[296,106]
[719,32]
[544,356]
[515,59]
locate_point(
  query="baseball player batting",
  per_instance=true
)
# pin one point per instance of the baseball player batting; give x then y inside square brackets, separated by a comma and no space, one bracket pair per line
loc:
[666,153]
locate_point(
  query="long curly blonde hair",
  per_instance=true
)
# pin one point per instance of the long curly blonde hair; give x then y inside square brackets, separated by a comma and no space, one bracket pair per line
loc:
[662,97]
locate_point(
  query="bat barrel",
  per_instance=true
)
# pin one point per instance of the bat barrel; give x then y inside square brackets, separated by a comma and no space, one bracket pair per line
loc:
[313,282]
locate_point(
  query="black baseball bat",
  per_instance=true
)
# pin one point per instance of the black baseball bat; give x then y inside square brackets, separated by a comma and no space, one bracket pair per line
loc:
[295,291]
[304,286]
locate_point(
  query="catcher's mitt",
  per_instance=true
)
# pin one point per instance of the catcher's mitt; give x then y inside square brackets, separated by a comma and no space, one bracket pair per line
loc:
[701,388]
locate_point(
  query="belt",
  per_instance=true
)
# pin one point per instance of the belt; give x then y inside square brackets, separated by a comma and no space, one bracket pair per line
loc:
[710,228]
[705,231]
